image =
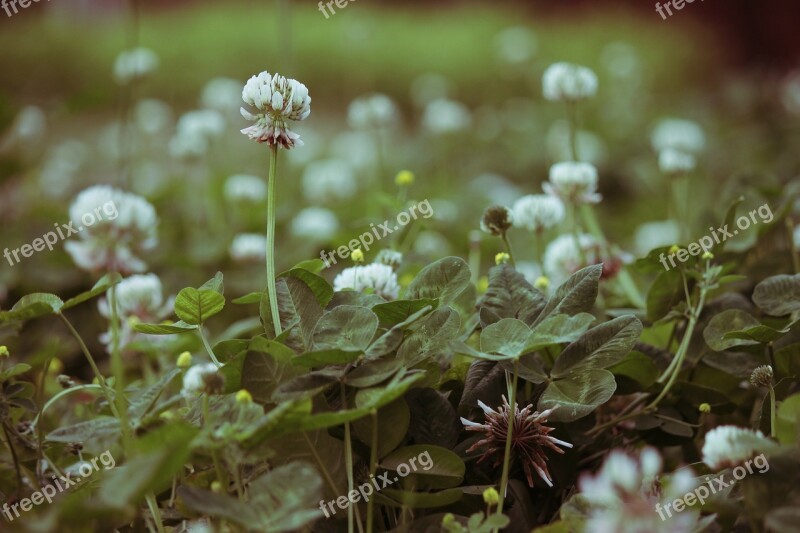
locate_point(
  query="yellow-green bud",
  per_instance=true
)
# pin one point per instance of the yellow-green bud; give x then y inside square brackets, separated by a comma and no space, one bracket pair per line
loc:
[357,255]
[501,258]
[133,320]
[216,486]
[704,408]
[184,360]
[674,249]
[244,396]
[708,256]
[404,178]
[483,284]
[491,496]
[449,518]
[4,352]
[56,366]
[167,416]
[542,283]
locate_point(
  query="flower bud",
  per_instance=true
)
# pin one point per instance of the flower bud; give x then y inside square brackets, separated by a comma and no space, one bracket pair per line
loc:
[674,249]
[491,496]
[244,397]
[708,256]
[502,258]
[542,283]
[704,408]
[216,486]
[184,360]
[357,255]
[4,352]
[497,220]
[404,178]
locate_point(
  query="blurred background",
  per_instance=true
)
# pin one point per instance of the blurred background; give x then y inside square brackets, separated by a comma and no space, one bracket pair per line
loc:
[465,114]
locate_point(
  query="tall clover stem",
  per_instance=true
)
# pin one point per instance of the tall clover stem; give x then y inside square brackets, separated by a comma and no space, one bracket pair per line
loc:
[771,411]
[271,290]
[508,247]
[118,369]
[373,466]
[507,456]
[348,451]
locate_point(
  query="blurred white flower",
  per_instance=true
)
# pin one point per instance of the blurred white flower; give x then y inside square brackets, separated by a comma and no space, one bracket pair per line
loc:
[124,227]
[591,148]
[248,247]
[222,94]
[621,60]
[444,210]
[61,167]
[626,494]
[134,64]
[378,277]
[196,130]
[245,188]
[730,446]
[573,182]
[445,116]
[790,93]
[496,188]
[678,134]
[152,116]
[651,235]
[538,212]
[372,111]
[278,100]
[562,258]
[672,161]
[529,269]
[429,87]
[355,147]
[568,82]
[432,244]
[202,378]
[315,223]
[140,298]
[28,127]
[516,45]
[389,257]
[329,179]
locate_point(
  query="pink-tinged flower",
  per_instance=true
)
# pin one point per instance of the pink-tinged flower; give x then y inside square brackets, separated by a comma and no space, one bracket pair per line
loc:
[529,438]
[278,100]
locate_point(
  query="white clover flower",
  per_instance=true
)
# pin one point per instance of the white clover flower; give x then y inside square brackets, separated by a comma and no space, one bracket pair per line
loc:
[245,188]
[389,257]
[568,82]
[378,277]
[678,134]
[329,179]
[195,132]
[152,116]
[498,189]
[621,60]
[538,212]
[140,298]
[530,270]
[573,182]
[516,45]
[672,161]
[562,258]
[445,116]
[278,100]
[222,94]
[626,494]
[61,167]
[124,226]
[432,244]
[29,125]
[372,111]
[730,446]
[652,235]
[248,247]
[202,378]
[134,64]
[315,223]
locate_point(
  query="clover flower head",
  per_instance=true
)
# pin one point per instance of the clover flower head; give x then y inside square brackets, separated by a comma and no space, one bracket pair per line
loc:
[245,188]
[678,134]
[195,132]
[530,438]
[278,100]
[676,162]
[124,225]
[538,212]
[573,182]
[380,279]
[248,247]
[134,64]
[730,446]
[568,82]
[202,378]
[562,257]
[372,111]
[497,220]
[762,376]
[389,257]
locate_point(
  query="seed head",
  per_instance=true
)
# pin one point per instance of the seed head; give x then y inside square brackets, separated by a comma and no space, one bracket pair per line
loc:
[497,220]
[762,376]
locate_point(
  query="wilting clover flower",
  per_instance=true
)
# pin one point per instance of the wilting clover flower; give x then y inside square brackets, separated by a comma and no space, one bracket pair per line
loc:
[497,220]
[278,100]
[762,376]
[568,82]
[203,378]
[124,227]
[140,298]
[730,446]
[134,64]
[378,278]
[530,438]
[245,188]
[372,111]
[626,495]
[248,247]
[538,212]
[672,161]
[329,179]
[573,182]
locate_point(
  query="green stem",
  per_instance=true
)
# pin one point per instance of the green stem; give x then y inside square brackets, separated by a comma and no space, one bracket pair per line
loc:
[771,411]
[215,458]
[61,394]
[792,246]
[272,292]
[321,465]
[508,247]
[13,456]
[507,455]
[348,450]
[572,119]
[152,504]
[208,346]
[373,466]
[118,369]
